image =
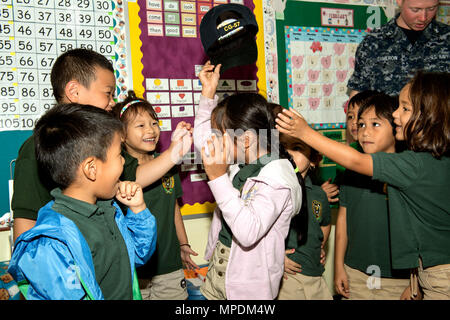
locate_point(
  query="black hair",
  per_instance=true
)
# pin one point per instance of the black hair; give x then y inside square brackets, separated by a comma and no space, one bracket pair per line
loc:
[360,98]
[133,109]
[251,111]
[67,134]
[77,64]
[383,105]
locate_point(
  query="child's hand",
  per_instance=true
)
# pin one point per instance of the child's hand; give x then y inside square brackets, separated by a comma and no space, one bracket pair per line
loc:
[181,141]
[209,77]
[341,283]
[331,190]
[292,123]
[186,252]
[215,162]
[323,256]
[290,266]
[130,194]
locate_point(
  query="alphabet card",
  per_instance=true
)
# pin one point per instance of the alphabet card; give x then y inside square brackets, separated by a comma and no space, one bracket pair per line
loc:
[319,62]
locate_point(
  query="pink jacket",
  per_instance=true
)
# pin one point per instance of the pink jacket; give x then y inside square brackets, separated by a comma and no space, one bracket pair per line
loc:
[259,218]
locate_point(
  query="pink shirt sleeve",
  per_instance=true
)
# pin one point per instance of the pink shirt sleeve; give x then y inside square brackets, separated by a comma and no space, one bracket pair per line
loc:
[251,216]
[202,122]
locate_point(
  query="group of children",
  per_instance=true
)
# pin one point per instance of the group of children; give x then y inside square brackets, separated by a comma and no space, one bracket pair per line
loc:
[271,221]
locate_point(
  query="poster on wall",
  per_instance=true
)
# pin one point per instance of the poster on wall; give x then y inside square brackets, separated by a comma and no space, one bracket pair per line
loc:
[317,43]
[172,57]
[319,62]
[33,33]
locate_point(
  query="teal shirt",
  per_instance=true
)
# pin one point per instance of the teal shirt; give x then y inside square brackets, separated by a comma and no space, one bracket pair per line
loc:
[109,252]
[307,254]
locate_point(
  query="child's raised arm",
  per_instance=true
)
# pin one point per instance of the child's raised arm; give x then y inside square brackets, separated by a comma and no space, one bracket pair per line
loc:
[209,77]
[151,171]
[293,124]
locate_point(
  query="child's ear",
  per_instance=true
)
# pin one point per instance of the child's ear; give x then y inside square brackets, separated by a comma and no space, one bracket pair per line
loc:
[72,91]
[89,168]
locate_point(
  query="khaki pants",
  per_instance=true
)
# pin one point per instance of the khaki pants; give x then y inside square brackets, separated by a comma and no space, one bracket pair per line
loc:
[214,286]
[364,287]
[435,281]
[169,286]
[301,287]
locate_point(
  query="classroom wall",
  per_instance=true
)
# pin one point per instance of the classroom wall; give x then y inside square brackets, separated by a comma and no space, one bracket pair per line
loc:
[11,142]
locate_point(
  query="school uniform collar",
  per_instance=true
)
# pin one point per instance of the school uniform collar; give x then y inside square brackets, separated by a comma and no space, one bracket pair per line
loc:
[82,207]
[308,182]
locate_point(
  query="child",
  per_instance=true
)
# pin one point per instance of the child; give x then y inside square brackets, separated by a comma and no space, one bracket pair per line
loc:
[303,278]
[362,260]
[83,246]
[351,134]
[255,200]
[163,276]
[352,116]
[79,76]
[418,179]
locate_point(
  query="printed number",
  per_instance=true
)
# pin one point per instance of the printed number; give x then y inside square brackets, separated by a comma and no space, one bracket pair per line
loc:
[9,123]
[26,61]
[46,62]
[5,13]
[8,91]
[46,32]
[105,48]
[83,4]
[9,107]
[64,3]
[5,29]
[7,76]
[29,107]
[84,18]
[5,44]
[45,16]
[103,5]
[6,60]
[27,92]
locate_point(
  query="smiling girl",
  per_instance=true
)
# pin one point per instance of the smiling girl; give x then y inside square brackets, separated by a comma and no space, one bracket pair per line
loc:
[418,179]
[162,277]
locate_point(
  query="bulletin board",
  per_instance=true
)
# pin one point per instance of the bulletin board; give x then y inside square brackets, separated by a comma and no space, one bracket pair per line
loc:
[314,46]
[167,59]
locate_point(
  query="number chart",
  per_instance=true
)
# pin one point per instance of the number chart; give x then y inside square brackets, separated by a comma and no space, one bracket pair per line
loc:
[33,33]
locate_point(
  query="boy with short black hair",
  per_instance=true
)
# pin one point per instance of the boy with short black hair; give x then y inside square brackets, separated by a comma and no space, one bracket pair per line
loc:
[79,76]
[83,246]
[86,77]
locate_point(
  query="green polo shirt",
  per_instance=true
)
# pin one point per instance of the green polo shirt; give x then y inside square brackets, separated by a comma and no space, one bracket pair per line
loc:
[160,198]
[109,252]
[31,192]
[367,225]
[319,215]
[419,205]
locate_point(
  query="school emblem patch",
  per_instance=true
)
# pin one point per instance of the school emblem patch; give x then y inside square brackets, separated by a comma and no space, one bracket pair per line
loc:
[168,183]
[317,209]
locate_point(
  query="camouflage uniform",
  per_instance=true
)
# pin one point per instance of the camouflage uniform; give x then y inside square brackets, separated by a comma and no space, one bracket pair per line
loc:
[386,59]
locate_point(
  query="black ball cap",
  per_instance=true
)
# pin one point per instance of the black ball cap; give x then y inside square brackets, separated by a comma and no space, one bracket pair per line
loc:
[228,35]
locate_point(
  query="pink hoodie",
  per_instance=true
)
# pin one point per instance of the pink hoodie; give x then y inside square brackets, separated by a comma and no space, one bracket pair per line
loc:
[259,218]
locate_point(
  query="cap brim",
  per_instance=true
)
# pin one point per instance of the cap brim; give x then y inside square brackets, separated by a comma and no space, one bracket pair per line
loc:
[244,55]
